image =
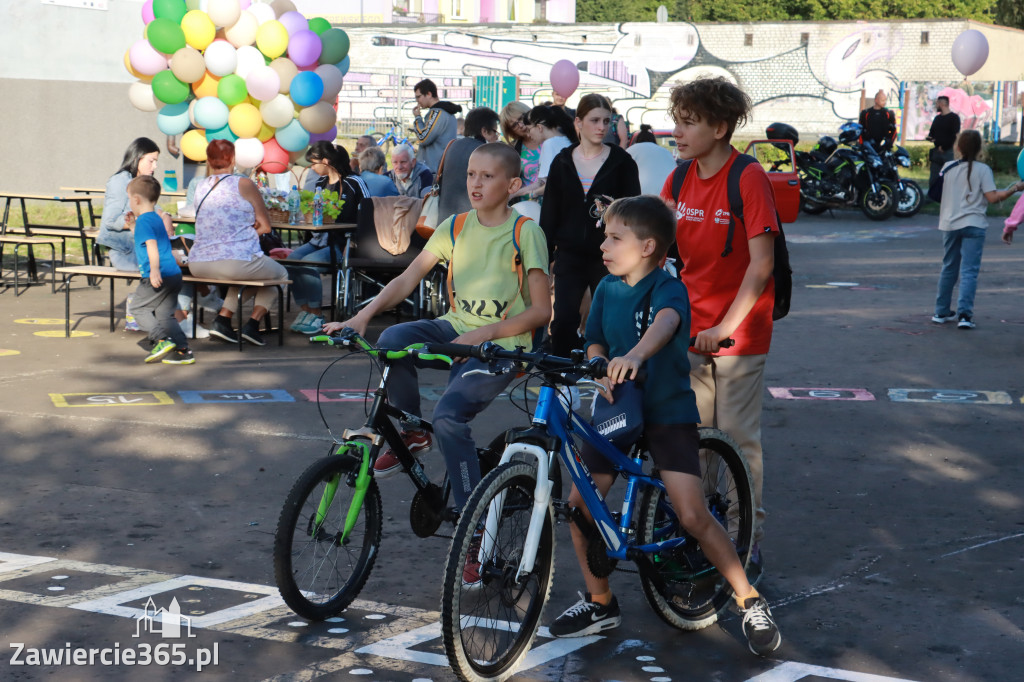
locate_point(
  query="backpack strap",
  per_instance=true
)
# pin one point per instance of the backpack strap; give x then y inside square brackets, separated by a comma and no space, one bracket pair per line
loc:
[735,199]
[679,176]
[458,222]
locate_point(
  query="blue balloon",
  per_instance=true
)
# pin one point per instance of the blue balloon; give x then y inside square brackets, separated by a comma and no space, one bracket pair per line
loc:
[343,65]
[173,119]
[223,133]
[211,113]
[292,137]
[1020,164]
[307,88]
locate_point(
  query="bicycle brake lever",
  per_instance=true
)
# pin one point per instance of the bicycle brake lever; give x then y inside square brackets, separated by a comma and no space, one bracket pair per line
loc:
[481,371]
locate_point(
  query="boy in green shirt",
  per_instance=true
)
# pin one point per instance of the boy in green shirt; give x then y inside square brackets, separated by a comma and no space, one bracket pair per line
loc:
[489,305]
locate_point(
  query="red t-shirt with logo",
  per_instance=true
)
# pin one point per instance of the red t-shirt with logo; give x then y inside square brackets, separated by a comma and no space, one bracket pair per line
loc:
[712,281]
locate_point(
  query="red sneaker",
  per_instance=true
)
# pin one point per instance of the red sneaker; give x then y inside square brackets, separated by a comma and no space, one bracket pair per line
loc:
[471,571]
[387,463]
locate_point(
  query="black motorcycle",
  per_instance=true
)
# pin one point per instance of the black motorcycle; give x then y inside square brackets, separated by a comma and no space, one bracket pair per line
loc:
[837,177]
[909,196]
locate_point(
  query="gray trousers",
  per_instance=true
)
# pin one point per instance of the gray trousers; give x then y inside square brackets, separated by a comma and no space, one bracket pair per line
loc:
[463,399]
[154,310]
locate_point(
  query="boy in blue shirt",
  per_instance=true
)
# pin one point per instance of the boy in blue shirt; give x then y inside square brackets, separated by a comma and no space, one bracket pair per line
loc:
[638,233]
[157,297]
[492,303]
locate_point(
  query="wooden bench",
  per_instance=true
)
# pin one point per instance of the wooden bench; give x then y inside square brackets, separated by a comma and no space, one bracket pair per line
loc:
[18,242]
[101,271]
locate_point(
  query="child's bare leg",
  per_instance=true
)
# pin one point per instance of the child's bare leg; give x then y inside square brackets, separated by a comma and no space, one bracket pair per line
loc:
[687,497]
[597,587]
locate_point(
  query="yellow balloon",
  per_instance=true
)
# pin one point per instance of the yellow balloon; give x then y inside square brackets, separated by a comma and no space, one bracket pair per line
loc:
[128,65]
[198,29]
[244,120]
[266,132]
[272,39]
[193,145]
[206,86]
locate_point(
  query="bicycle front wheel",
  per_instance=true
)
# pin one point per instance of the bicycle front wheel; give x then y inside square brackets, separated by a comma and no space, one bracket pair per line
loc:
[489,624]
[318,570]
[692,591]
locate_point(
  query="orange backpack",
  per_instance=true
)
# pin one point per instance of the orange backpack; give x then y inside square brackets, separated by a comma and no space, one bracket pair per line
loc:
[517,260]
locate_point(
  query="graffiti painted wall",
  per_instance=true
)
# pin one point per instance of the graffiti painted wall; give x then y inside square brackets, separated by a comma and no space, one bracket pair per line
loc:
[812,75]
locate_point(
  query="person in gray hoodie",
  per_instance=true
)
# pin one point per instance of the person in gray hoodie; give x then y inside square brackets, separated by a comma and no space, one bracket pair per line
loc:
[437,127]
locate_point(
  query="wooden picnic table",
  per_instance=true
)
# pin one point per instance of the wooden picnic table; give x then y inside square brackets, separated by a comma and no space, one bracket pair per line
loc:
[32,229]
[93,218]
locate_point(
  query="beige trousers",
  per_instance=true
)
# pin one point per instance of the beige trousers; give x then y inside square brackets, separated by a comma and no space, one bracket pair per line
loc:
[262,268]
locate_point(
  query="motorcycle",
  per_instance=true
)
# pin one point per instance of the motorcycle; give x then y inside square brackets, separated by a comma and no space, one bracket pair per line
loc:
[909,195]
[836,177]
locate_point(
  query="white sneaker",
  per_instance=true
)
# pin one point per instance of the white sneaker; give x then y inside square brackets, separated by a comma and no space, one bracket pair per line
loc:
[201,331]
[211,302]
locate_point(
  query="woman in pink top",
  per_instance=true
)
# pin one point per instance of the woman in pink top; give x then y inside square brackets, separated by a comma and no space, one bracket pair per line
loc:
[230,217]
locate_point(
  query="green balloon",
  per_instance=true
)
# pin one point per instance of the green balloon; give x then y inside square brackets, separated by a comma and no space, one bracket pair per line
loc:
[165,36]
[319,25]
[335,46]
[168,89]
[169,9]
[231,89]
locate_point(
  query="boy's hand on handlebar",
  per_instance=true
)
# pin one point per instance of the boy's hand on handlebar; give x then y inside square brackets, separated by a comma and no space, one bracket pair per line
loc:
[622,368]
[710,340]
[334,327]
[473,337]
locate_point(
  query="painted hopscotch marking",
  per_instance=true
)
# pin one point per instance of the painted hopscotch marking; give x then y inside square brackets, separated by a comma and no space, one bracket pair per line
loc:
[41,320]
[337,395]
[4,352]
[943,395]
[272,396]
[57,333]
[821,393]
[16,562]
[123,399]
[791,671]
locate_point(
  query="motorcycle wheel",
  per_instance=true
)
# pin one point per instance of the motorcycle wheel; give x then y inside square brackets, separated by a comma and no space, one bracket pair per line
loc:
[908,199]
[878,205]
[811,207]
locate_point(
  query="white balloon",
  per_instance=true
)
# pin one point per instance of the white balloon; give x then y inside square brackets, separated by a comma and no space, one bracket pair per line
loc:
[277,112]
[243,31]
[249,58]
[221,58]
[224,12]
[333,81]
[970,51]
[141,96]
[248,152]
[262,11]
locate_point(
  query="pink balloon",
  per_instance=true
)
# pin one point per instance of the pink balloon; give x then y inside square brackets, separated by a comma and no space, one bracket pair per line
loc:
[147,11]
[244,4]
[294,22]
[565,77]
[304,48]
[263,83]
[145,59]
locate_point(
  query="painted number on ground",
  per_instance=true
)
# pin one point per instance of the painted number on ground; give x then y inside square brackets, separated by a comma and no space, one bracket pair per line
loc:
[130,399]
[821,393]
[932,395]
[273,396]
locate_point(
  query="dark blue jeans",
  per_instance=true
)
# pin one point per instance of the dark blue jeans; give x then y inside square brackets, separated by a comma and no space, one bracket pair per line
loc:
[464,398]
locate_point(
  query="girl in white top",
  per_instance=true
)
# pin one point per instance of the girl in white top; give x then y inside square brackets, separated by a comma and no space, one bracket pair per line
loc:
[553,126]
[968,188]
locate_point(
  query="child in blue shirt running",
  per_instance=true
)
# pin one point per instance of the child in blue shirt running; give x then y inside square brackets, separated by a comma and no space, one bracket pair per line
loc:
[638,233]
[157,297]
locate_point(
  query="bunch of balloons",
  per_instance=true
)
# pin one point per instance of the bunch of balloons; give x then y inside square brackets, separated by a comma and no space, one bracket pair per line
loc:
[259,74]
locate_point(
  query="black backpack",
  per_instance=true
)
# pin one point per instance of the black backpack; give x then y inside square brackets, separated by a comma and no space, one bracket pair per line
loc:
[783,273]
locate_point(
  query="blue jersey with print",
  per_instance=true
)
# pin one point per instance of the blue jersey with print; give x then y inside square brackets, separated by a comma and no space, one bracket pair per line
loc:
[150,226]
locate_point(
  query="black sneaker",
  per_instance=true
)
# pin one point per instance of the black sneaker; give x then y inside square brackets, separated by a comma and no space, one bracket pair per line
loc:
[763,636]
[222,330]
[586,617]
[965,322]
[251,333]
[180,356]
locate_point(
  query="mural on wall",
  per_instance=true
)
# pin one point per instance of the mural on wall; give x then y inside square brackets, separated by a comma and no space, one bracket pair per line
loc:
[816,86]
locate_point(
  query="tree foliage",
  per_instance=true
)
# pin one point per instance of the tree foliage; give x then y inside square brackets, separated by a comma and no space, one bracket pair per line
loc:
[1003,12]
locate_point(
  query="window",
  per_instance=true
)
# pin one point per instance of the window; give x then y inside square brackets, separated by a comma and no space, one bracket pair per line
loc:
[691,39]
[748,39]
[457,9]
[433,37]
[511,10]
[805,38]
[924,37]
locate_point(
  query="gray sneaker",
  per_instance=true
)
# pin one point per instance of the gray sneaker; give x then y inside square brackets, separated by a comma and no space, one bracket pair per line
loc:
[586,617]
[763,636]
[943,319]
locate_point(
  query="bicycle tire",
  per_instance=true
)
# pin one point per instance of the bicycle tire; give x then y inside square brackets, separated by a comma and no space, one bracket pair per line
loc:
[300,559]
[482,641]
[726,479]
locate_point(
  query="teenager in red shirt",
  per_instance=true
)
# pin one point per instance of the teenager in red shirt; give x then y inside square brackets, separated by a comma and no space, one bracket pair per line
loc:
[730,296]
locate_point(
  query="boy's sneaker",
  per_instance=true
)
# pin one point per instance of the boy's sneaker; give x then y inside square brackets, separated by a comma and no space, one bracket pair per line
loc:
[186,327]
[965,322]
[251,333]
[471,571]
[586,617]
[300,321]
[162,348]
[222,330]
[942,319]
[130,325]
[763,636]
[180,356]
[314,324]
[755,566]
[388,465]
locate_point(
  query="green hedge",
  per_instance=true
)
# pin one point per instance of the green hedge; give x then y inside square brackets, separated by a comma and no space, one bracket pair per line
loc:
[1002,157]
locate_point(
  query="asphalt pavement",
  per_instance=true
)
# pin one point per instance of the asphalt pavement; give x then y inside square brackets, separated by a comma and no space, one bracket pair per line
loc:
[895,530]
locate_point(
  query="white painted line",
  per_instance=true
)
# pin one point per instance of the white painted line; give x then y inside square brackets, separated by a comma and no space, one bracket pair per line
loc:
[791,671]
[15,562]
[112,605]
[984,544]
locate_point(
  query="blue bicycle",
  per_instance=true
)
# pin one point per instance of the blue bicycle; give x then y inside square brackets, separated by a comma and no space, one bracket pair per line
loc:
[506,530]
[393,137]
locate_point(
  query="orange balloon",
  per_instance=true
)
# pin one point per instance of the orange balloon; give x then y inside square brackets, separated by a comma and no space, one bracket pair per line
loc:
[206,86]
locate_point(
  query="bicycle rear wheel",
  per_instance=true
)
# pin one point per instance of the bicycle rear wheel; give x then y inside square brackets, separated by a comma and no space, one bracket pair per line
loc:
[694,592]
[488,626]
[316,572]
